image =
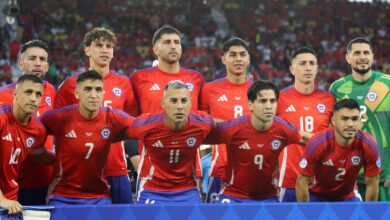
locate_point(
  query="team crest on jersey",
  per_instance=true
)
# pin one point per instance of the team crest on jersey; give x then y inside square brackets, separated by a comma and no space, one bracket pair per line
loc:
[372,96]
[48,100]
[191,141]
[379,163]
[117,91]
[275,144]
[30,141]
[303,163]
[190,86]
[321,108]
[355,160]
[105,133]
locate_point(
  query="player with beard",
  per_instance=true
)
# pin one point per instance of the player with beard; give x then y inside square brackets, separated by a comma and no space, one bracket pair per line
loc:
[33,61]
[334,158]
[371,90]
[149,83]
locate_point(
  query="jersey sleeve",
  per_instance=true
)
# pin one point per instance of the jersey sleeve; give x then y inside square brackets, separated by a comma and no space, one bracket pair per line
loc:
[207,122]
[335,85]
[306,165]
[50,121]
[2,119]
[6,97]
[201,85]
[66,93]
[372,163]
[51,91]
[137,127]
[224,135]
[131,105]
[134,81]
[121,121]
[309,159]
[41,135]
[204,99]
[132,131]
[291,132]
[281,104]
[213,137]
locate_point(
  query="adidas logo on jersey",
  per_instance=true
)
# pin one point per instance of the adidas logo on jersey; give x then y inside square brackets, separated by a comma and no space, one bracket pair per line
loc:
[244,146]
[71,134]
[155,87]
[291,108]
[328,163]
[8,137]
[222,98]
[158,144]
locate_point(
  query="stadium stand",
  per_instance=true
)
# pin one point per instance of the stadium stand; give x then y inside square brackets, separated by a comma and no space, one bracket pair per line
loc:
[273,28]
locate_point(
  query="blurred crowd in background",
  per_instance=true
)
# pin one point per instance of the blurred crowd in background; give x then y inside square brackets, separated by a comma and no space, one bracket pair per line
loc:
[272,28]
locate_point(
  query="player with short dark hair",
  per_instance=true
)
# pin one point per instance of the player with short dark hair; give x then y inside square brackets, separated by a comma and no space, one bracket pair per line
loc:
[99,46]
[225,99]
[253,144]
[371,90]
[149,83]
[334,158]
[170,158]
[308,108]
[83,141]
[164,30]
[21,134]
[34,60]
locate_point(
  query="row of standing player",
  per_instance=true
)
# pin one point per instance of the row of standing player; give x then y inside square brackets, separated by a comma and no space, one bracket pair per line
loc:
[168,51]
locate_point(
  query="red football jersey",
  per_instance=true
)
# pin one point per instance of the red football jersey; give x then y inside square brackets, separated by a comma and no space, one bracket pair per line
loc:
[223,100]
[30,170]
[149,87]
[336,168]
[308,112]
[253,156]
[82,148]
[169,159]
[17,141]
[118,95]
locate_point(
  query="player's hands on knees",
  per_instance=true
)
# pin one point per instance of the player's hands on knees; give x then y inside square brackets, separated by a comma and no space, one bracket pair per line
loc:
[13,207]
[387,183]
